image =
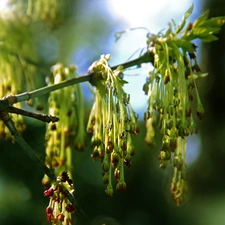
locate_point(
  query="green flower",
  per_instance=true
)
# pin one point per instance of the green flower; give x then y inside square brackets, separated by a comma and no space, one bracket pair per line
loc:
[112,120]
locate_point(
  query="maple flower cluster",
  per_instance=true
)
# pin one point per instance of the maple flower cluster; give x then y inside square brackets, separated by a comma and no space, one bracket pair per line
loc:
[112,121]
[69,132]
[171,86]
[60,209]
[17,73]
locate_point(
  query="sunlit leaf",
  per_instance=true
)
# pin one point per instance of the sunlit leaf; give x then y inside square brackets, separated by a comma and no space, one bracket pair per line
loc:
[201,19]
[174,24]
[188,12]
[215,22]
[183,21]
[185,45]
[209,38]
[202,32]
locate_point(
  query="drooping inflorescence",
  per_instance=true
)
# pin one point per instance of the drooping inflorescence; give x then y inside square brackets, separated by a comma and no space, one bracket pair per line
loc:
[60,208]
[170,88]
[62,138]
[18,73]
[112,121]
[69,132]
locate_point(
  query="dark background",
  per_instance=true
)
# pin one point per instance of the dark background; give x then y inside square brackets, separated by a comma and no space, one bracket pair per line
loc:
[147,199]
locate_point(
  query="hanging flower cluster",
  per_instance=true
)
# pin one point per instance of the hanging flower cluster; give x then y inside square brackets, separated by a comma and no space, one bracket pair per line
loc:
[170,88]
[17,72]
[112,121]
[69,132]
[60,209]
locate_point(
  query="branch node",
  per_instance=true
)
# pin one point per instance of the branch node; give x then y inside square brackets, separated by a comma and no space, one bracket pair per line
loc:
[12,99]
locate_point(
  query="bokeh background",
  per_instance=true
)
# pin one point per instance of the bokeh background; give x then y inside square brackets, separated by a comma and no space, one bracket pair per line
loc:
[87,33]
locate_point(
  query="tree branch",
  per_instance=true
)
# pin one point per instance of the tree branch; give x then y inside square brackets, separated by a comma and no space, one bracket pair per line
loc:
[45,90]
[38,116]
[146,58]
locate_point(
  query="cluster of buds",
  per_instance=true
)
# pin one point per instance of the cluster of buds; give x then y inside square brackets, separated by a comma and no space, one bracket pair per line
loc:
[69,132]
[112,121]
[60,209]
[17,72]
[170,88]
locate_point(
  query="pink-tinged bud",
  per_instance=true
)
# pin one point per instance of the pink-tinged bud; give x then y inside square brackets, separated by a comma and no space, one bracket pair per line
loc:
[50,217]
[49,192]
[60,217]
[49,210]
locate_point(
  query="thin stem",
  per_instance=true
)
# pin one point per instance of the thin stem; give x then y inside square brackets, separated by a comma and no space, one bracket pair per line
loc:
[146,58]
[38,116]
[45,90]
